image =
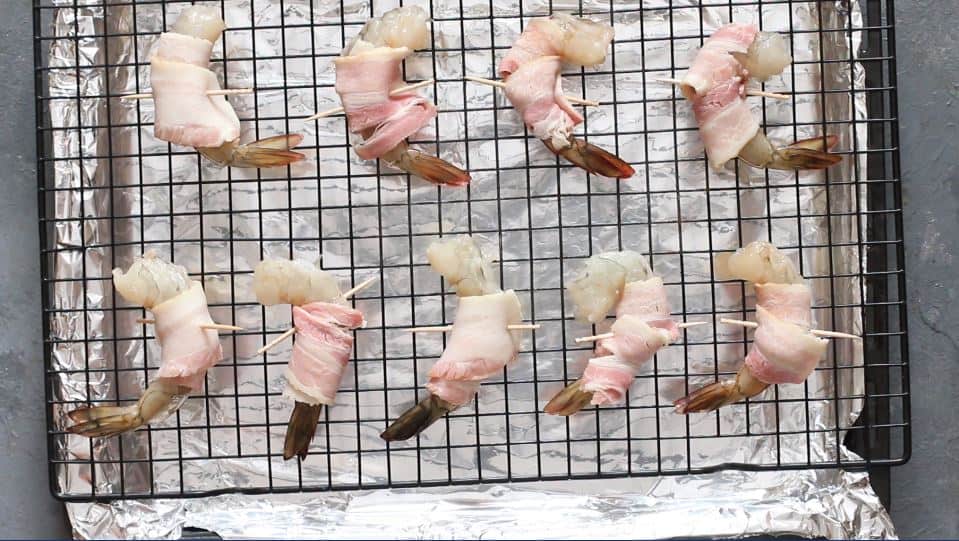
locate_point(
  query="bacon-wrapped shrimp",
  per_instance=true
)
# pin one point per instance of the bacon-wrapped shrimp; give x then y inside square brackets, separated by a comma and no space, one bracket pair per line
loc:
[643,326]
[368,70]
[783,350]
[716,86]
[480,344]
[187,349]
[532,70]
[324,341]
[186,114]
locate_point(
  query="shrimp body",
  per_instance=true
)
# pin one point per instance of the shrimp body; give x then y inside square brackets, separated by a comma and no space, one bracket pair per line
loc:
[783,349]
[187,115]
[716,87]
[187,349]
[532,70]
[480,344]
[324,341]
[369,69]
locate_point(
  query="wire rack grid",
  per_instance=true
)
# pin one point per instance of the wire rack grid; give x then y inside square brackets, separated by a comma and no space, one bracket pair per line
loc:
[109,191]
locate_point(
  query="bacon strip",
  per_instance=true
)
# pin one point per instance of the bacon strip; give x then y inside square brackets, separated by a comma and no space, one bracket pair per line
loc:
[783,349]
[180,79]
[186,350]
[321,351]
[643,326]
[725,121]
[480,346]
[364,82]
[536,91]
[713,63]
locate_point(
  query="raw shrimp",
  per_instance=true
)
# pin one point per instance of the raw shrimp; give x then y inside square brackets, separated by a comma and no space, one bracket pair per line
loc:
[643,326]
[187,350]
[783,349]
[532,70]
[367,71]
[600,284]
[186,115]
[480,344]
[463,265]
[324,340]
[716,86]
[759,262]
[295,282]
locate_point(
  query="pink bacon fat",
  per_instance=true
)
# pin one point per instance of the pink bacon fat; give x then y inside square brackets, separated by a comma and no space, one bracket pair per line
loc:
[179,80]
[713,63]
[537,40]
[364,82]
[536,91]
[321,351]
[480,345]
[186,350]
[647,299]
[783,352]
[725,121]
[634,343]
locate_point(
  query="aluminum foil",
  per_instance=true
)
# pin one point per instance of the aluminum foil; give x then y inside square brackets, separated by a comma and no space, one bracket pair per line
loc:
[537,221]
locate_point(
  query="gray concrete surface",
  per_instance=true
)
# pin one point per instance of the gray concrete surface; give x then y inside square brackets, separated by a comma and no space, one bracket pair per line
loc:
[26,507]
[925,492]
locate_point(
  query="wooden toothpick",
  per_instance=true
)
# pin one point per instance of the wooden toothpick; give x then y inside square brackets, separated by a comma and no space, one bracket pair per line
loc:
[749,92]
[817,332]
[400,90]
[501,84]
[289,332]
[221,92]
[605,335]
[448,328]
[205,326]
[363,285]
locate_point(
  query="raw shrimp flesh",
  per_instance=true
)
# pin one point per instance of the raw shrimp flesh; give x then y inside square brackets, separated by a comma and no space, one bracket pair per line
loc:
[186,115]
[323,343]
[366,74]
[187,350]
[463,265]
[602,281]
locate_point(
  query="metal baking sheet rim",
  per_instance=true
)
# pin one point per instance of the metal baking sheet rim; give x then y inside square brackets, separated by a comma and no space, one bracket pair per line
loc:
[814,503]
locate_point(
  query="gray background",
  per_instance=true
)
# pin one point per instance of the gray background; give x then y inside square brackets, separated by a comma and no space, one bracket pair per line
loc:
[925,492]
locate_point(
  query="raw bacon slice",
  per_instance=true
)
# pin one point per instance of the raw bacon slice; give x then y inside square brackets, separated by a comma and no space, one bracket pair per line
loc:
[536,91]
[479,346]
[321,351]
[364,82]
[783,352]
[185,114]
[713,63]
[725,122]
[186,350]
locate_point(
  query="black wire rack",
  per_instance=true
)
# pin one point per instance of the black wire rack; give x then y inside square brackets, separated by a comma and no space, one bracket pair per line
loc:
[108,191]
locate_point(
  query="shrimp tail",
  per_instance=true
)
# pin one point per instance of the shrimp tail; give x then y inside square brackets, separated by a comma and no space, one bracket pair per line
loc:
[301,429]
[270,152]
[722,393]
[417,418]
[431,169]
[569,401]
[159,400]
[592,158]
[804,154]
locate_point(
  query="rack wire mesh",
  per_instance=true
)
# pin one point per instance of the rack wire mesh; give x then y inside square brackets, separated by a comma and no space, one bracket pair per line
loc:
[109,191]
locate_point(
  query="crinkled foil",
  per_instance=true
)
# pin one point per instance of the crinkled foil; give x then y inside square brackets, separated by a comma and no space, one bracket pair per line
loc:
[537,222]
